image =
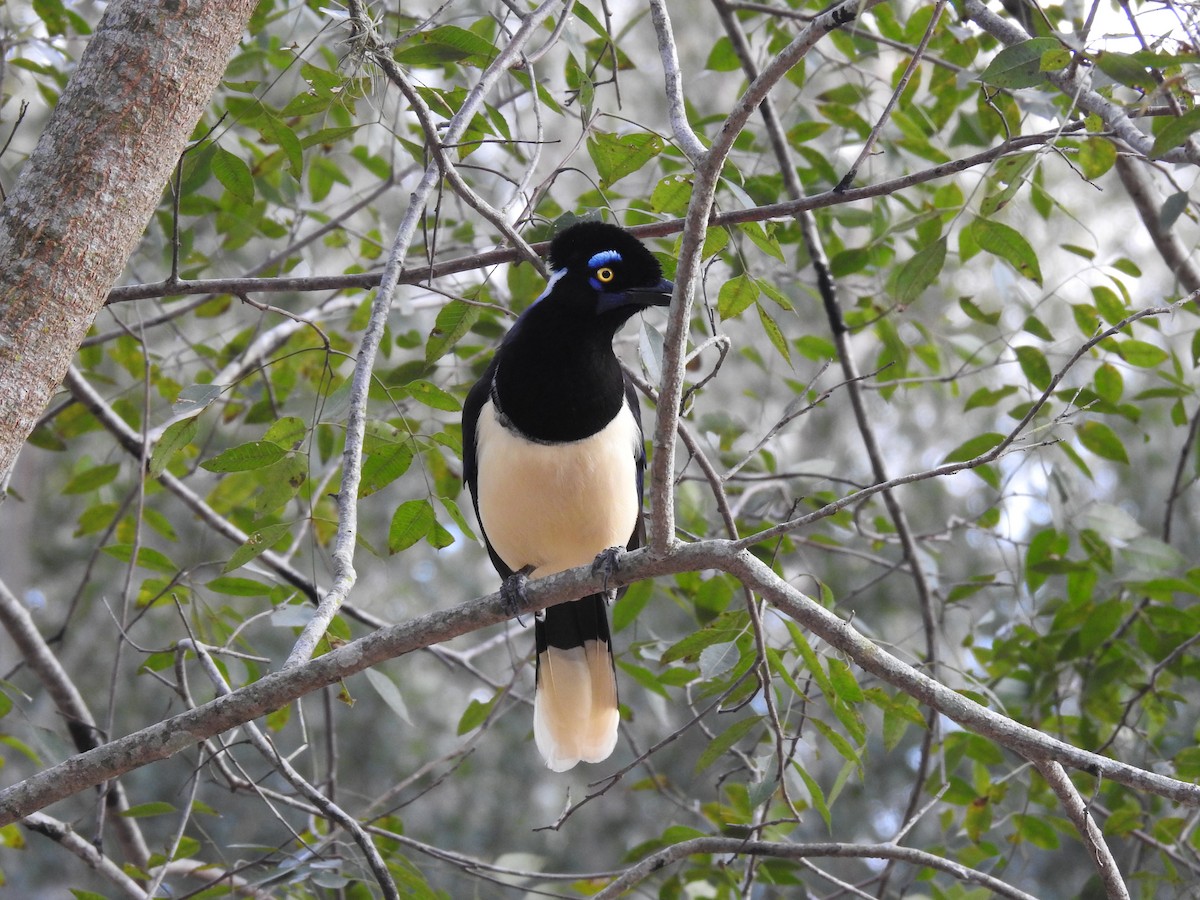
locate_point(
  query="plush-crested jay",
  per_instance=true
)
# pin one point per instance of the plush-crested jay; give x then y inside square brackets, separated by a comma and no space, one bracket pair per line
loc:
[553,455]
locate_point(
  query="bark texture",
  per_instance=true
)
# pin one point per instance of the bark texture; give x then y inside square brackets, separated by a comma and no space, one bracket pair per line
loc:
[92,183]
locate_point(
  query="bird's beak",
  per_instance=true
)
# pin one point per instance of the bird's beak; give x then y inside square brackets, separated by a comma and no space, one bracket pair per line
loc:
[655,295]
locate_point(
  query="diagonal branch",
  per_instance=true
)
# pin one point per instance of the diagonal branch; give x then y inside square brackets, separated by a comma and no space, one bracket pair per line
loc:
[1073,84]
[783,850]
[1089,831]
[786,209]
[661,532]
[62,833]
[165,738]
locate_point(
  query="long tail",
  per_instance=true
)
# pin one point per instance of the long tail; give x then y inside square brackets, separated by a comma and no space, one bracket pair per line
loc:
[575,714]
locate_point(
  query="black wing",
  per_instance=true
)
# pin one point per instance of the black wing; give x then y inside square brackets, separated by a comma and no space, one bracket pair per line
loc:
[472,407]
[639,530]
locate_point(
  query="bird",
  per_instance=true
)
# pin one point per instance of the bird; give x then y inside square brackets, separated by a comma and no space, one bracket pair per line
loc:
[554,458]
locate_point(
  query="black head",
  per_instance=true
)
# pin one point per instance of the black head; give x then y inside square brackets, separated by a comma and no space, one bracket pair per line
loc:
[609,265]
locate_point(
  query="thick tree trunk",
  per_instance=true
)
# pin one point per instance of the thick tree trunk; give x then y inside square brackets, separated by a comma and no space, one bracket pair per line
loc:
[91,185]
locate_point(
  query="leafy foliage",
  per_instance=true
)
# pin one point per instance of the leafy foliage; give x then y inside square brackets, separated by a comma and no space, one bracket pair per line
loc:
[980,297]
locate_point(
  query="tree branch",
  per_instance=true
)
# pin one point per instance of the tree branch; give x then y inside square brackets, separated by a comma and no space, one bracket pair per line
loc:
[661,531]
[1089,831]
[344,574]
[274,691]
[1073,84]
[62,833]
[665,228]
[781,850]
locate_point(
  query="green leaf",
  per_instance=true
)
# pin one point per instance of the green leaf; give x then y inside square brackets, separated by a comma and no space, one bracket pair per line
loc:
[647,679]
[288,432]
[1103,441]
[1109,383]
[255,545]
[726,739]
[438,536]
[147,557]
[816,795]
[239,587]
[411,522]
[973,311]
[446,44]
[53,15]
[1110,306]
[92,479]
[671,195]
[174,438]
[1033,325]
[919,272]
[736,295]
[1033,364]
[616,156]
[717,659]
[1019,66]
[986,396]
[279,483]
[381,468]
[1055,60]
[233,174]
[722,57]
[1173,207]
[274,131]
[1036,830]
[1175,132]
[146,810]
[1008,244]
[626,609]
[775,294]
[195,398]
[95,518]
[432,396]
[761,239]
[1141,354]
[774,334]
[389,693]
[454,320]
[725,627]
[844,684]
[1126,69]
[245,457]
[715,240]
[978,818]
[459,520]
[475,715]
[1096,156]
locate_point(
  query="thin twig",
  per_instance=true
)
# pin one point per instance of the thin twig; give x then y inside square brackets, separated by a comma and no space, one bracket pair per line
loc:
[328,808]
[1089,832]
[344,573]
[782,850]
[917,56]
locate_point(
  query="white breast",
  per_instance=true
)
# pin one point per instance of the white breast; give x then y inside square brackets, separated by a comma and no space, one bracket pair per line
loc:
[555,506]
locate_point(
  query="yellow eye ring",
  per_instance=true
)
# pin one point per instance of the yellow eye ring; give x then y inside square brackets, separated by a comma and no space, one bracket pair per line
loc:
[604,274]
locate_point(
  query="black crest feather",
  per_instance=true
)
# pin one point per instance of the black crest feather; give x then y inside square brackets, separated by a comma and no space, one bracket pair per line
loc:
[571,249]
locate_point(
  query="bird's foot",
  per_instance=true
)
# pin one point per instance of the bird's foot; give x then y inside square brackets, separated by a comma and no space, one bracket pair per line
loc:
[512,593]
[607,562]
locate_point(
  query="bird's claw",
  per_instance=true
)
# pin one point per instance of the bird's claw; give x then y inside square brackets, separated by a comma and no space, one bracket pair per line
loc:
[513,594]
[607,562]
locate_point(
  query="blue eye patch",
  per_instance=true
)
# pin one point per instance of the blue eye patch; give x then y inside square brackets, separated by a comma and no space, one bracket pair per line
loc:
[603,258]
[601,264]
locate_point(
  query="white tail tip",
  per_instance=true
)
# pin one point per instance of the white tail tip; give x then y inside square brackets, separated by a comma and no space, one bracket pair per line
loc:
[575,714]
